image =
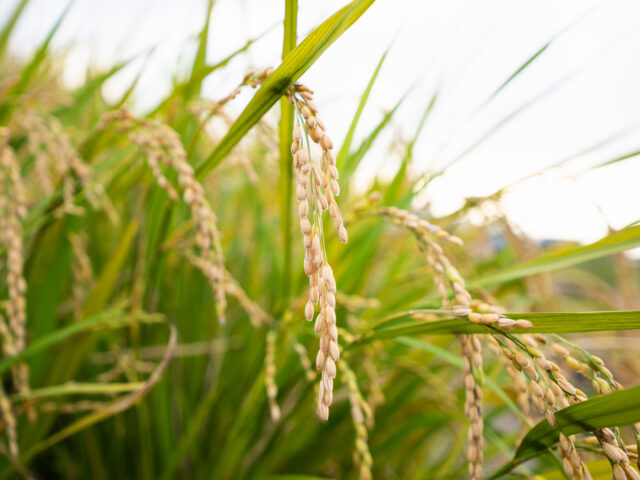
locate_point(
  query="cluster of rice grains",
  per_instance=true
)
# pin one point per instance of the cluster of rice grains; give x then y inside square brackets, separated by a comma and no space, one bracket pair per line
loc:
[317,187]
[12,210]
[536,379]
[270,374]
[161,146]
[602,381]
[445,275]
[55,158]
[362,417]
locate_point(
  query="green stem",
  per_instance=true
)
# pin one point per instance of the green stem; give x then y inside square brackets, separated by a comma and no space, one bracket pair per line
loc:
[285,182]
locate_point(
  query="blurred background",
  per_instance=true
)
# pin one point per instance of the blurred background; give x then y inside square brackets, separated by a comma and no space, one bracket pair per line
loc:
[512,125]
[576,99]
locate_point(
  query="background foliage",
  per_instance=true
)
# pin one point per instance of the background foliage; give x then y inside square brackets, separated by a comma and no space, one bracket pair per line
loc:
[98,344]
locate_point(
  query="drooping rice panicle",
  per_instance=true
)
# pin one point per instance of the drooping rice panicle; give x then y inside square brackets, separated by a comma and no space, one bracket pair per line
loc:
[252,78]
[270,374]
[317,187]
[360,412]
[445,273]
[211,411]
[544,385]
[161,146]
[603,382]
[472,376]
[82,271]
[618,458]
[55,157]
[9,420]
[6,410]
[12,210]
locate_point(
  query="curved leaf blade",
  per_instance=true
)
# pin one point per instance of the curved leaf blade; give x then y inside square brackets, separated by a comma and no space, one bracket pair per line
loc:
[293,66]
[285,128]
[563,258]
[10,24]
[552,322]
[107,318]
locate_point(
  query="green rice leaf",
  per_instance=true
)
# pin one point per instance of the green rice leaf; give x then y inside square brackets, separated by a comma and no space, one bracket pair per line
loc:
[563,258]
[554,322]
[114,407]
[195,81]
[73,388]
[10,24]
[104,286]
[346,144]
[30,70]
[626,156]
[106,319]
[296,63]
[518,71]
[85,93]
[353,160]
[290,477]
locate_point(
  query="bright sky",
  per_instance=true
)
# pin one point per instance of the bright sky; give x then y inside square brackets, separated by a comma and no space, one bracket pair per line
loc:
[582,90]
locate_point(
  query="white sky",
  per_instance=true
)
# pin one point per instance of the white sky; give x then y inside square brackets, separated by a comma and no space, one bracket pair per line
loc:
[587,85]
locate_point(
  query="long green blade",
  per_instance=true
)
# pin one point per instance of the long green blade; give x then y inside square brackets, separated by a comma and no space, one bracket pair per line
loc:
[634,153]
[496,127]
[296,63]
[517,72]
[30,70]
[565,257]
[195,81]
[348,139]
[352,161]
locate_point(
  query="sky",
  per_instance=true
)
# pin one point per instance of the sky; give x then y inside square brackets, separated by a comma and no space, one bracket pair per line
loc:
[581,92]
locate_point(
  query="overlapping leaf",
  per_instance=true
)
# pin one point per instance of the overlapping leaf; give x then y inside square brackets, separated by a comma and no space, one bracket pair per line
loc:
[615,409]
[293,66]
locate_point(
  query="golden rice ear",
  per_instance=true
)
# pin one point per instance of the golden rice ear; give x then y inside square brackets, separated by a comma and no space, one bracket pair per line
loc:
[315,194]
[161,145]
[537,380]
[55,158]
[270,374]
[13,332]
[472,368]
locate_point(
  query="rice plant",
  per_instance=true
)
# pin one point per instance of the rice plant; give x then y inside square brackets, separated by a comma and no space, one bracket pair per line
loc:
[176,303]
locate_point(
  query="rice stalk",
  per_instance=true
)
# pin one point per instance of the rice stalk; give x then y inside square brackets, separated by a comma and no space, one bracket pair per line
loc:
[317,185]
[83,276]
[55,157]
[361,415]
